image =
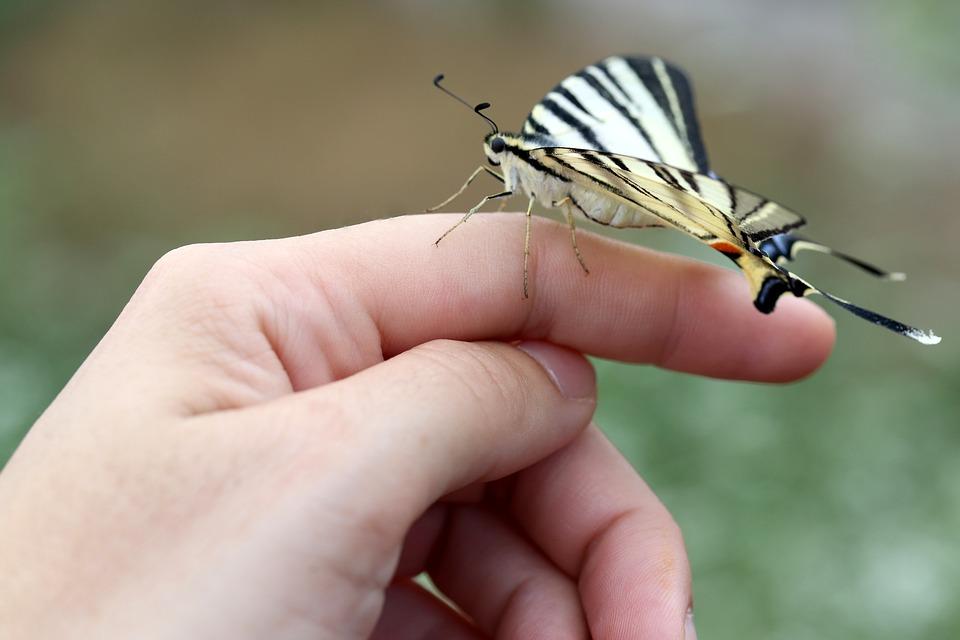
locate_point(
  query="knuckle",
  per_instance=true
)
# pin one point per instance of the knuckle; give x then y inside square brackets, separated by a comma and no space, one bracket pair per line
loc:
[187,256]
[215,272]
[481,372]
[202,285]
[188,266]
[672,328]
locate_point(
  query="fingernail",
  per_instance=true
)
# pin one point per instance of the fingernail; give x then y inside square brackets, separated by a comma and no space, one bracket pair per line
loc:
[571,373]
[689,631]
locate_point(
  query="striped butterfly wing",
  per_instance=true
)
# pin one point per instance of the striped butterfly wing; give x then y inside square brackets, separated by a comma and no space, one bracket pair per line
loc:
[635,106]
[642,108]
[730,219]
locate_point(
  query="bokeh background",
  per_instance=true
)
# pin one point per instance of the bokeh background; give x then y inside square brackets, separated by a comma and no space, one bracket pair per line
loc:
[829,508]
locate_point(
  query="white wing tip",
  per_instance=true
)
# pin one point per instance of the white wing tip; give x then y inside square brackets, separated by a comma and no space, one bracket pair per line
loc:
[896,276]
[924,337]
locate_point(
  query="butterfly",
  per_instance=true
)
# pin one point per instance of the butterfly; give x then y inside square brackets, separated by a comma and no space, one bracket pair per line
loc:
[618,143]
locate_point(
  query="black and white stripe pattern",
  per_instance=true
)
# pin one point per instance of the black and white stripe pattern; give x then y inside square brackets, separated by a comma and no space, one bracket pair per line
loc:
[640,107]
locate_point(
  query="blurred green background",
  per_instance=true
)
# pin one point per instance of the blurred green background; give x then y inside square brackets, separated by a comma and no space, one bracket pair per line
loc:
[829,508]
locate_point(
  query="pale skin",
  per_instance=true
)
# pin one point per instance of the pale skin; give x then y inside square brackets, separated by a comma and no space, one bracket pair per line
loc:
[275,436]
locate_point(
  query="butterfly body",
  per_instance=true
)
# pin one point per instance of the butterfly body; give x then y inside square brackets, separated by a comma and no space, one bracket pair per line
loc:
[618,143]
[547,184]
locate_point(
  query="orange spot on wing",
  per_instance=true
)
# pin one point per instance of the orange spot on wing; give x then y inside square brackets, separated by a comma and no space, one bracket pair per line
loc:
[726,248]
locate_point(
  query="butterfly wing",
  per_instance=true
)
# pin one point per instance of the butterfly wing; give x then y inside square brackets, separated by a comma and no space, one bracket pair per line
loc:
[636,106]
[730,219]
[680,198]
[785,247]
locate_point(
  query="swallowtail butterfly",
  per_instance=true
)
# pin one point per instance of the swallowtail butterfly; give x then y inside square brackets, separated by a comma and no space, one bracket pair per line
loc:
[618,143]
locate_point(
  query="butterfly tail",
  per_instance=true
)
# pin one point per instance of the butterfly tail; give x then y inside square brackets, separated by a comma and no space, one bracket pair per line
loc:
[769,281]
[923,336]
[784,247]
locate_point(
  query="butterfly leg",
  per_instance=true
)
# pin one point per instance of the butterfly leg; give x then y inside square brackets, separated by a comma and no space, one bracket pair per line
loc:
[473,176]
[473,210]
[573,229]
[526,252]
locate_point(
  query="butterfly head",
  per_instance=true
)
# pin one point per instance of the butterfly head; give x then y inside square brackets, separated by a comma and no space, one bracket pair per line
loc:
[498,145]
[493,146]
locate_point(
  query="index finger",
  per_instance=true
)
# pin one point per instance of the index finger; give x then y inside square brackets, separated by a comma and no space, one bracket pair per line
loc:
[636,304]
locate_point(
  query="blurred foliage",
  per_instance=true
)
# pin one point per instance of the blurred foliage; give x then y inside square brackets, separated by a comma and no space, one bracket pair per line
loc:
[825,508]
[927,32]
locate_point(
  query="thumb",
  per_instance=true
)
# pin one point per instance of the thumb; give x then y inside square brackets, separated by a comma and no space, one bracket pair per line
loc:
[394,438]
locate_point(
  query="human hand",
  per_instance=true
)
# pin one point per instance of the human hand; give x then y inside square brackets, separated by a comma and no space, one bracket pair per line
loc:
[275,436]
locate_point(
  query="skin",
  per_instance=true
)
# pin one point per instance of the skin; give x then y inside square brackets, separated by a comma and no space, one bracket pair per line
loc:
[275,436]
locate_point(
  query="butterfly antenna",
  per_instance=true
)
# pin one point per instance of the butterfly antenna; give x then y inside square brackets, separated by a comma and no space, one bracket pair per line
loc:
[476,109]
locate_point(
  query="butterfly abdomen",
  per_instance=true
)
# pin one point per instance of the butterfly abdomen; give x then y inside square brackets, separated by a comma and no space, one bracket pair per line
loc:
[602,209]
[767,283]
